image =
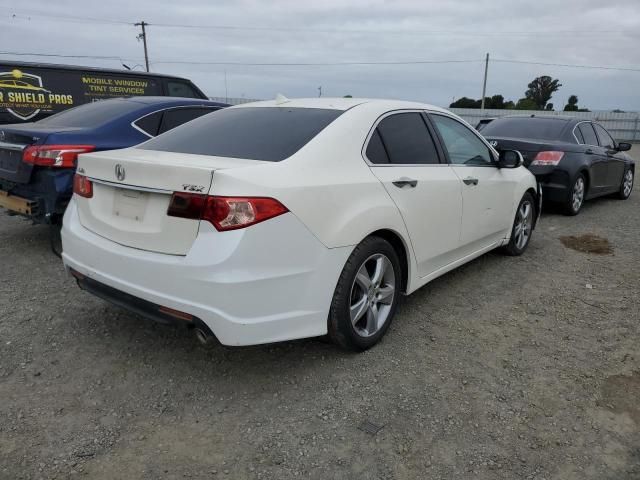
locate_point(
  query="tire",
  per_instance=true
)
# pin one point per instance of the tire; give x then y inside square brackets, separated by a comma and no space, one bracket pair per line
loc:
[522,227]
[627,184]
[577,193]
[373,298]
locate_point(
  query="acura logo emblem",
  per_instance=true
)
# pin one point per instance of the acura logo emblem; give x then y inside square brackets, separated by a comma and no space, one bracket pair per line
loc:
[120,173]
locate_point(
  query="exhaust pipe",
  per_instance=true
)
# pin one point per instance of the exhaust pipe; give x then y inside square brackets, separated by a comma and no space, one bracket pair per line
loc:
[204,336]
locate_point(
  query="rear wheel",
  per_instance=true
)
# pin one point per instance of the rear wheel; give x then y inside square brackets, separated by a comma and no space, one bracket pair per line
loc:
[522,227]
[366,295]
[576,196]
[627,185]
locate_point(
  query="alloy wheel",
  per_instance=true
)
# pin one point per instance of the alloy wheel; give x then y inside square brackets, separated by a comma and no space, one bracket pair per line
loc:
[627,183]
[524,225]
[577,195]
[372,294]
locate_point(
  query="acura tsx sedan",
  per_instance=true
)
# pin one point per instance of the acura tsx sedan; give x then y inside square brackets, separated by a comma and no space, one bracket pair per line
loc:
[288,219]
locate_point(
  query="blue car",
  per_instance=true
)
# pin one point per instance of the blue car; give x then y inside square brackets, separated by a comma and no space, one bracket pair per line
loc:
[38,160]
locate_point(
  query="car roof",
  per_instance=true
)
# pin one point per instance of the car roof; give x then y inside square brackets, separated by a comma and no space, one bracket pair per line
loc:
[561,118]
[159,100]
[81,68]
[340,103]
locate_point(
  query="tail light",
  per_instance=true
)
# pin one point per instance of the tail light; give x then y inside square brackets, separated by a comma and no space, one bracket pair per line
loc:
[225,213]
[547,158]
[82,186]
[55,155]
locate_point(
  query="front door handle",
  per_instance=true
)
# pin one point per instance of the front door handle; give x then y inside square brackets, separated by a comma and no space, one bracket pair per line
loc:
[405,182]
[470,181]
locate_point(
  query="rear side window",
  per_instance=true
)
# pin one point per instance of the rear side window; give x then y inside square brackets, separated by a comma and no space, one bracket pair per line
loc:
[91,114]
[406,140]
[181,89]
[588,134]
[150,123]
[375,150]
[256,133]
[177,116]
[604,137]
[579,136]
[525,127]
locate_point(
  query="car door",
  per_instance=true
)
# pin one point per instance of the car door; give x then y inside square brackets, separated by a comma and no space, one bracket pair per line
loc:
[403,155]
[614,159]
[487,191]
[598,171]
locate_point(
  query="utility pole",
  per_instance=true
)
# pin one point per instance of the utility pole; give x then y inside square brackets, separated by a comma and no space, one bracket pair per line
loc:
[320,91]
[143,36]
[484,85]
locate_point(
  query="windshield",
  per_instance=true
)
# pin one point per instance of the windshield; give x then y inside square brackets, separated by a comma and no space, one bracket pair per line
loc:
[255,133]
[91,114]
[527,127]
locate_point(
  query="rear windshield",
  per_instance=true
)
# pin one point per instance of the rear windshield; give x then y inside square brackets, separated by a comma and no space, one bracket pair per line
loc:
[256,133]
[91,114]
[532,128]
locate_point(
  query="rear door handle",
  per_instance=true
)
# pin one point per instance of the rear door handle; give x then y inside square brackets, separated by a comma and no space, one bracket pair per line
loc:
[588,151]
[470,181]
[404,182]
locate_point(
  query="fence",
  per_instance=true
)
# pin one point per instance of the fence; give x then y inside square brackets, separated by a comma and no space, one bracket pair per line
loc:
[622,126]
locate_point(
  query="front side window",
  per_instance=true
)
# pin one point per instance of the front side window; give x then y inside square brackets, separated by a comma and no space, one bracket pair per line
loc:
[605,139]
[402,139]
[463,146]
[177,116]
[588,134]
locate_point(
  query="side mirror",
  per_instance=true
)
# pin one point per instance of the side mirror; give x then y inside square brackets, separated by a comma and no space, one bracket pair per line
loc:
[510,159]
[623,147]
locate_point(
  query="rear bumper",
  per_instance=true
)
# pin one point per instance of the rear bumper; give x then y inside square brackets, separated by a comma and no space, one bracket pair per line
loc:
[44,198]
[555,185]
[17,204]
[271,282]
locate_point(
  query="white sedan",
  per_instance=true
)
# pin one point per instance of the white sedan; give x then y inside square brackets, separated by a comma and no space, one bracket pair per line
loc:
[288,219]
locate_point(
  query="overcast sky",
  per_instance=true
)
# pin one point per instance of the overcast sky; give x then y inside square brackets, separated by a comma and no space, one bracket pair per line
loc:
[585,32]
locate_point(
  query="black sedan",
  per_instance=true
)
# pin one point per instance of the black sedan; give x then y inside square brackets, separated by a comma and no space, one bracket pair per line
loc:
[574,160]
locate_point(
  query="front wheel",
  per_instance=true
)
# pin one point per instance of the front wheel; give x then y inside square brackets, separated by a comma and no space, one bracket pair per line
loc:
[366,296]
[522,227]
[626,186]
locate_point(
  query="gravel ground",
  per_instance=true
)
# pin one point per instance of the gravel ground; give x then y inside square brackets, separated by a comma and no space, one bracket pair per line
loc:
[509,368]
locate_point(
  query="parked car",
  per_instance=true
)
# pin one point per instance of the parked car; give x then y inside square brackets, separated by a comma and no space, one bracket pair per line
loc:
[287,219]
[574,160]
[32,91]
[38,160]
[483,123]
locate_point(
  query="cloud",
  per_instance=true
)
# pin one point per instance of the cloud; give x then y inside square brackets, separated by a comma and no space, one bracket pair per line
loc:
[577,32]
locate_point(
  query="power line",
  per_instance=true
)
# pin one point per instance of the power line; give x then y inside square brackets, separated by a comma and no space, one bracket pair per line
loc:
[427,32]
[324,64]
[595,67]
[312,64]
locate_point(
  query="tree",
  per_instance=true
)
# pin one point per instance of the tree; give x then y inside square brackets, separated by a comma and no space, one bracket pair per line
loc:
[549,107]
[497,101]
[347,96]
[572,104]
[526,104]
[465,102]
[541,89]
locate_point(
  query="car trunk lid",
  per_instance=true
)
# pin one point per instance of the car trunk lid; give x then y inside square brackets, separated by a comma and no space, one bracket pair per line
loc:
[132,189]
[528,148]
[14,139]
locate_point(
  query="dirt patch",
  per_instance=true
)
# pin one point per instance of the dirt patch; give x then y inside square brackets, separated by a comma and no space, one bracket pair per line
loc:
[588,243]
[621,393]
